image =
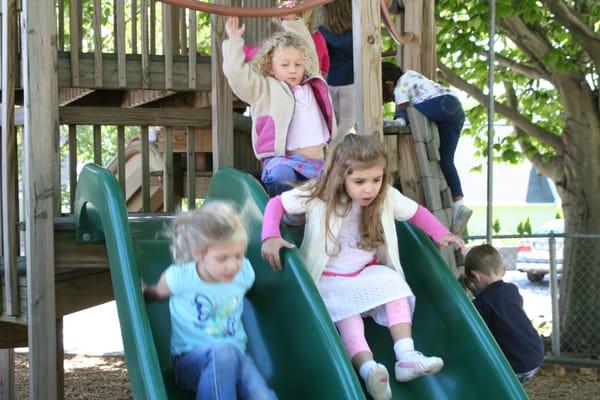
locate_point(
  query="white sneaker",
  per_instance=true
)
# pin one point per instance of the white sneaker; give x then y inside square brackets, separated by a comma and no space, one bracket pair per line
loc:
[460,219]
[414,364]
[378,383]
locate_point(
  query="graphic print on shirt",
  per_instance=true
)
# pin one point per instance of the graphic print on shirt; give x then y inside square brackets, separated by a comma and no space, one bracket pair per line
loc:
[218,320]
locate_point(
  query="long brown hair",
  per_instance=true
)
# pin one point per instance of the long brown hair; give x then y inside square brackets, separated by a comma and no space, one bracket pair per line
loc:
[353,152]
[337,16]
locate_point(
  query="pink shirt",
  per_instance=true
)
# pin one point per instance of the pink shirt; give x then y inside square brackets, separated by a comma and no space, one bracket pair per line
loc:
[308,127]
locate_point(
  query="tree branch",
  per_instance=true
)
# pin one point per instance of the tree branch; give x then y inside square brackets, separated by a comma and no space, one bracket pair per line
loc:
[550,168]
[508,112]
[533,45]
[523,69]
[571,19]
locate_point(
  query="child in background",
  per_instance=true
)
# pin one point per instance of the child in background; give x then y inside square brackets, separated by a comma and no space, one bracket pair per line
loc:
[206,289]
[320,46]
[337,30]
[501,307]
[292,115]
[350,249]
[441,106]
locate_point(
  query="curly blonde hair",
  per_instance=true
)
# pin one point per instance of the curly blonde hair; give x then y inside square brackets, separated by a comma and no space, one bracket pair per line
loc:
[353,152]
[263,61]
[198,229]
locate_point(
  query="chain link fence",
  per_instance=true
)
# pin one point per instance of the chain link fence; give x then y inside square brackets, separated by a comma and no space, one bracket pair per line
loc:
[558,276]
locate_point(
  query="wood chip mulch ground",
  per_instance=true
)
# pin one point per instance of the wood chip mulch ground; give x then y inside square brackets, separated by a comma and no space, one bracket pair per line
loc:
[95,378]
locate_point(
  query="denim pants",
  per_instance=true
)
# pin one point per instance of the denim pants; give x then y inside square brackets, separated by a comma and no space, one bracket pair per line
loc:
[447,112]
[279,178]
[220,371]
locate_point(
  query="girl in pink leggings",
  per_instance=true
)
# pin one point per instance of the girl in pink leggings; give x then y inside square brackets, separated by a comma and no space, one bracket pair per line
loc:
[350,248]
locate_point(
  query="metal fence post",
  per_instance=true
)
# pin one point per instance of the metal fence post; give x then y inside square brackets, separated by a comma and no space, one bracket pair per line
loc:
[554,296]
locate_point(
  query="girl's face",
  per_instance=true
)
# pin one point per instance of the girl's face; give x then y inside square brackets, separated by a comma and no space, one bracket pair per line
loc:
[221,262]
[288,65]
[363,185]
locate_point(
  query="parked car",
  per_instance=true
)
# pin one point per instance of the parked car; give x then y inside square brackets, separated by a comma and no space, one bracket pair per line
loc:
[533,255]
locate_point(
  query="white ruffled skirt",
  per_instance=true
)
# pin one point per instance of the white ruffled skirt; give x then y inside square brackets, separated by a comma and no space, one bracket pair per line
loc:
[365,293]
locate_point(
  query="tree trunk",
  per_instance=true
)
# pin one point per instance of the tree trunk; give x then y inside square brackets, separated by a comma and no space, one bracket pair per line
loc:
[580,194]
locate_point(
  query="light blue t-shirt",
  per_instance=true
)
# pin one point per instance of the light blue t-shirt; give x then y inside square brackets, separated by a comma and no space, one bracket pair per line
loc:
[202,312]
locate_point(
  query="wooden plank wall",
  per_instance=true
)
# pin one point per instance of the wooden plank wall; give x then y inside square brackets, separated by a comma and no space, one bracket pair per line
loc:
[41,126]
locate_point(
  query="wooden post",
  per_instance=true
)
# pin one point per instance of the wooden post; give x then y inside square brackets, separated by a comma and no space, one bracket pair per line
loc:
[428,41]
[40,88]
[60,360]
[7,374]
[413,23]
[9,156]
[367,67]
[222,98]
[75,41]
[120,40]
[98,43]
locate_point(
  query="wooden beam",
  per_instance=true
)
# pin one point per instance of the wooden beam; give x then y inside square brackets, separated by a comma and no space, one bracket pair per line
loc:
[13,335]
[41,130]
[9,156]
[176,117]
[7,372]
[82,291]
[69,95]
[135,98]
[134,79]
[222,97]
[367,66]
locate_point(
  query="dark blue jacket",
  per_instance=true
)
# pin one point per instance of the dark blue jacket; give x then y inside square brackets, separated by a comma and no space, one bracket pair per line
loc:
[501,307]
[341,71]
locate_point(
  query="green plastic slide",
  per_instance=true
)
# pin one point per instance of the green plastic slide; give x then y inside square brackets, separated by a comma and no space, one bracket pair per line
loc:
[291,337]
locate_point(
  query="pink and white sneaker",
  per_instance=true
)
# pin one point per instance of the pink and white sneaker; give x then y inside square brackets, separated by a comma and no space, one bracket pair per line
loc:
[378,383]
[414,364]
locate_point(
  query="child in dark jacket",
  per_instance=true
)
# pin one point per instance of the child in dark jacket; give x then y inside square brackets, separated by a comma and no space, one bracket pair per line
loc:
[501,307]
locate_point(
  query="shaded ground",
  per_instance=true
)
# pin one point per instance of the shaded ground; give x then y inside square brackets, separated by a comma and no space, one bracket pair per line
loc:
[95,378]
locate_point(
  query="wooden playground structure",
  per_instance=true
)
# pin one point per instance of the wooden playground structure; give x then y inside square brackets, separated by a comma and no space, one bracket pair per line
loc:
[66,67]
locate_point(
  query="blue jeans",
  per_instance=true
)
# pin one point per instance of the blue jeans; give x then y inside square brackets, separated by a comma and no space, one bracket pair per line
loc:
[447,112]
[220,371]
[279,178]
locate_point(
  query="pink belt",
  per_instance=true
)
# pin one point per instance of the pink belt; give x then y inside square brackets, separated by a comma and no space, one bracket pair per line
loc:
[351,274]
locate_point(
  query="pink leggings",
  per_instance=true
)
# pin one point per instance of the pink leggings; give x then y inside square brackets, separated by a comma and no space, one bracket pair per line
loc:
[352,329]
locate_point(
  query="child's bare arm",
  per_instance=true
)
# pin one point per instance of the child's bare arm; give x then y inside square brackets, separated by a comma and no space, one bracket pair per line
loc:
[160,291]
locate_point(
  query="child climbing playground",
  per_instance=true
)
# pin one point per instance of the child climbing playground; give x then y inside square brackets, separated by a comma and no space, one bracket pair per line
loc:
[438,104]
[350,249]
[291,110]
[206,289]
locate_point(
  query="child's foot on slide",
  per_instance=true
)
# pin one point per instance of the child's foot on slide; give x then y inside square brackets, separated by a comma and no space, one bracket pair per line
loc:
[378,383]
[414,364]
